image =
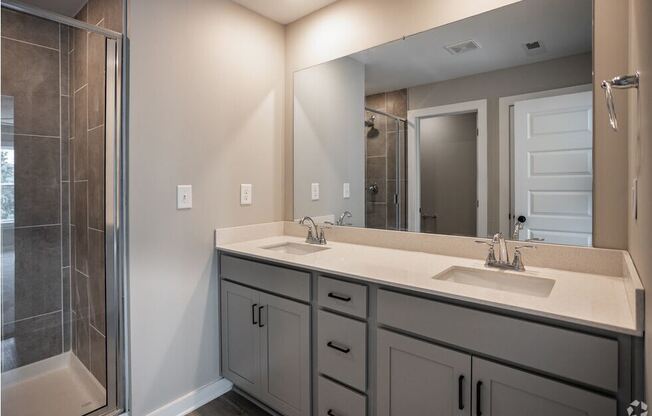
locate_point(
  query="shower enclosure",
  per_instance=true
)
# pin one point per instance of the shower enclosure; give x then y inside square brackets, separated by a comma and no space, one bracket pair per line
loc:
[385,157]
[60,148]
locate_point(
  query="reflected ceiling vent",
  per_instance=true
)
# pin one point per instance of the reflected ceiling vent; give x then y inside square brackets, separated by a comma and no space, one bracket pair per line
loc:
[534,48]
[462,47]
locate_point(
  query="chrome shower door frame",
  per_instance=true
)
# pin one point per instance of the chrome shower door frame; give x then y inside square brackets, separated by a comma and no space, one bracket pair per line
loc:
[114,235]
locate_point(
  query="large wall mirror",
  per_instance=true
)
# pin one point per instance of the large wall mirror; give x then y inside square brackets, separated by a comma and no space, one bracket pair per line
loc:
[479,126]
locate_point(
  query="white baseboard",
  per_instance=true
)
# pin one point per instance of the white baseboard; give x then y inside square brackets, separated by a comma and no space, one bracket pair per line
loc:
[194,399]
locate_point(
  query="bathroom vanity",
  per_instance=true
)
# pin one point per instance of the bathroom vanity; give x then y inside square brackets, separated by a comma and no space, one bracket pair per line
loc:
[351,329]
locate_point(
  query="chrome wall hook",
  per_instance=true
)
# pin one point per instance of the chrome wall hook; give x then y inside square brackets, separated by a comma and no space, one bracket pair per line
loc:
[619,82]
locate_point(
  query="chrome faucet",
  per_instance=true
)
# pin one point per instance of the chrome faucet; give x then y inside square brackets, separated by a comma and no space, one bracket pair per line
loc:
[314,237]
[345,214]
[502,261]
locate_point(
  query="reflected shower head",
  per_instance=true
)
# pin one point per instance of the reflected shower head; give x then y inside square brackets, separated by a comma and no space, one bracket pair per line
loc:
[370,122]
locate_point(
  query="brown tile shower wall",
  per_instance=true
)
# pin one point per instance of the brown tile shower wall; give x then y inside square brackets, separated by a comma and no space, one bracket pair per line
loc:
[35,261]
[381,157]
[87,170]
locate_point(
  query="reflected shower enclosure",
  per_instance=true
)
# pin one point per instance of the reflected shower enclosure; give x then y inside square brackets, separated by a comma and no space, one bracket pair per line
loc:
[60,92]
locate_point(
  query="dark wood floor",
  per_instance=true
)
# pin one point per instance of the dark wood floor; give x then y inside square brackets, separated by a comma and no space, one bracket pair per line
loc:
[229,404]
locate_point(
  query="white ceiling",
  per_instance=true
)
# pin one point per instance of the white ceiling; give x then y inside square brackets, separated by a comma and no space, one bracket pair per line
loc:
[64,7]
[284,11]
[564,27]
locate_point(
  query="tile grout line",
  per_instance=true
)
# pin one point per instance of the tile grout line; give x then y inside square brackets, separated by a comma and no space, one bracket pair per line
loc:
[37,136]
[40,315]
[29,43]
[97,330]
[23,227]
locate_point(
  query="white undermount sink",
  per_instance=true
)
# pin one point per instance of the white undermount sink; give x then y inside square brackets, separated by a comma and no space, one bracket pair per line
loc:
[295,248]
[507,282]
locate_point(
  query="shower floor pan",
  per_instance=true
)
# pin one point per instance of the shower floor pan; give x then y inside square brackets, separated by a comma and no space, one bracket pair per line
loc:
[57,386]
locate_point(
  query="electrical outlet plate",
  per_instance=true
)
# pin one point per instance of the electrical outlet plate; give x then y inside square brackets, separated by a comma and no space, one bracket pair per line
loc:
[346,190]
[184,196]
[246,194]
[314,191]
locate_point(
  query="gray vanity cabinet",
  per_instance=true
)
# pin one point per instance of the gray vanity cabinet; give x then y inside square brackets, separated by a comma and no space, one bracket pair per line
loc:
[499,390]
[285,346]
[241,336]
[266,347]
[419,378]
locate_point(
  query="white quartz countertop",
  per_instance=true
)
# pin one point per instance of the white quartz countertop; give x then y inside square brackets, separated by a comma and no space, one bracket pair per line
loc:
[588,299]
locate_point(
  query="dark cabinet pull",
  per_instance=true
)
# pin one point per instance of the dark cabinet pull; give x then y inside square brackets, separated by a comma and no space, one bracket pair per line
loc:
[460,393]
[339,297]
[334,346]
[260,320]
[253,313]
[331,413]
[478,395]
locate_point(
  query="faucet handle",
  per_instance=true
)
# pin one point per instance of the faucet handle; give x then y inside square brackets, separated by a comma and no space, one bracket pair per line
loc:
[517,263]
[322,236]
[489,243]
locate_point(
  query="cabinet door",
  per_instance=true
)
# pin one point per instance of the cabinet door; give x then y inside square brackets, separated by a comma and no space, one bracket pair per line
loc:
[419,378]
[241,336]
[499,390]
[285,348]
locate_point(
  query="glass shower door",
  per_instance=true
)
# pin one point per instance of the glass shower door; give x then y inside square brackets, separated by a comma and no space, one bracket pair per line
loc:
[59,306]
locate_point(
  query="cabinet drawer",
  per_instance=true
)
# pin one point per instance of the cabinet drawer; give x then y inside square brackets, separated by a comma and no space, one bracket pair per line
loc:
[342,296]
[337,400]
[342,349]
[287,282]
[574,355]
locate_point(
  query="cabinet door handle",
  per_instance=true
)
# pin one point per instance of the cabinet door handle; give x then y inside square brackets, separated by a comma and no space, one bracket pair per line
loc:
[478,396]
[253,314]
[334,346]
[260,319]
[331,413]
[460,393]
[343,298]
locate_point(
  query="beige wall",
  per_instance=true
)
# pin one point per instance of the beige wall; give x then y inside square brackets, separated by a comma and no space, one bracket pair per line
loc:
[542,76]
[349,26]
[640,158]
[206,108]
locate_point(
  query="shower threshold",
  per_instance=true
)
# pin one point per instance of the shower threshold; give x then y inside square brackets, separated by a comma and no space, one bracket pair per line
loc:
[57,386]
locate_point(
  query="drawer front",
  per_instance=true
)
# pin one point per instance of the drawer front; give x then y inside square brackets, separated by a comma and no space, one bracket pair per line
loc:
[342,349]
[337,400]
[586,358]
[288,282]
[345,297]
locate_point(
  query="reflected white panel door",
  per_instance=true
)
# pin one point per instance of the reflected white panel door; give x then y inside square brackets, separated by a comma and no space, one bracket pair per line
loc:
[553,171]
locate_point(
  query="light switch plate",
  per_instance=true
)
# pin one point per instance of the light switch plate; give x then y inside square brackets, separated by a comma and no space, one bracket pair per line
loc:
[314,191]
[184,196]
[246,194]
[346,190]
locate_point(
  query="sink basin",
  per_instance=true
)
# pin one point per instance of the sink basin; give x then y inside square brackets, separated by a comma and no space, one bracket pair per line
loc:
[498,280]
[295,248]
